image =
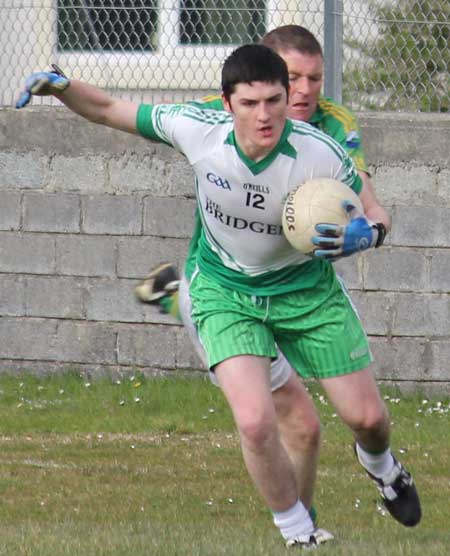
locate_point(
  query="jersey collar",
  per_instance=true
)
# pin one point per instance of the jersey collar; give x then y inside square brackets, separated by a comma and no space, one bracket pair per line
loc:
[283,147]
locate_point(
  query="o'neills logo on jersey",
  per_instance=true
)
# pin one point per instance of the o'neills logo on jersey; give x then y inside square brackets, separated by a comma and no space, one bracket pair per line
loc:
[237,223]
[257,188]
[217,180]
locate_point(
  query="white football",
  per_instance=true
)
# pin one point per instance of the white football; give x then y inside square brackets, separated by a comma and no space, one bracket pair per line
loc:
[314,202]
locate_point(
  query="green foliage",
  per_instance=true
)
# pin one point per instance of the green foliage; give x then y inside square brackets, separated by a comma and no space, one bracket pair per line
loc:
[408,64]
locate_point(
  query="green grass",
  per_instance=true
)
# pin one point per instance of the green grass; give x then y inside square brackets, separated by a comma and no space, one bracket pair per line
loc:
[71,404]
[153,467]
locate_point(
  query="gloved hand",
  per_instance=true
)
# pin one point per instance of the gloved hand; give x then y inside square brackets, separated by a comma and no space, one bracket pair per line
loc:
[43,83]
[335,241]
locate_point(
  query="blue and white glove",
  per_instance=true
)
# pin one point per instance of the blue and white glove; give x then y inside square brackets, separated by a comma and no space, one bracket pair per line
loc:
[335,241]
[43,83]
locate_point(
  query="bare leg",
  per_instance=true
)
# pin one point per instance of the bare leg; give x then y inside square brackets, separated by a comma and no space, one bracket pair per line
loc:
[358,402]
[299,427]
[245,382]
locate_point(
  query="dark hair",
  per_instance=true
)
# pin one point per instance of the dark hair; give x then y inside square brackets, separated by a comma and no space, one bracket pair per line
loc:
[253,62]
[292,37]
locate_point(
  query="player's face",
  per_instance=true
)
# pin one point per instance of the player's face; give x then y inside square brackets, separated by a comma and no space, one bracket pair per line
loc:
[305,83]
[259,111]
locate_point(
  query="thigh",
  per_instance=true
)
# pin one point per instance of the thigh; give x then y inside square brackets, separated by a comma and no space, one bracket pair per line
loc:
[229,323]
[280,373]
[292,398]
[355,396]
[244,381]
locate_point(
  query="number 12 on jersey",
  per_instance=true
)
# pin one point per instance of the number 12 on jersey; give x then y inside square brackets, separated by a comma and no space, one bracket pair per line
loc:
[255,200]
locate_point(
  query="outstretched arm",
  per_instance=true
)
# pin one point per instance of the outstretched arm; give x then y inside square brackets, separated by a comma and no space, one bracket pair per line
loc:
[97,106]
[85,100]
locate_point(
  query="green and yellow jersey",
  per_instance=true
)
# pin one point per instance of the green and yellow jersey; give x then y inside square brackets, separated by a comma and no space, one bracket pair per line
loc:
[338,122]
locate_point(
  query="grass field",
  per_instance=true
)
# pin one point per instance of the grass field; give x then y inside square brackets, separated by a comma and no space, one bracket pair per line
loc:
[153,467]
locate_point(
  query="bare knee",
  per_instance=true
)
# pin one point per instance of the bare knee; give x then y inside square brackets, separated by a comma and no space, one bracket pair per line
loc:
[372,419]
[298,420]
[358,403]
[299,427]
[311,432]
[257,431]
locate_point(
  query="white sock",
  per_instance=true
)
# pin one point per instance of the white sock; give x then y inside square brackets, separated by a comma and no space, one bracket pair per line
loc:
[294,522]
[378,465]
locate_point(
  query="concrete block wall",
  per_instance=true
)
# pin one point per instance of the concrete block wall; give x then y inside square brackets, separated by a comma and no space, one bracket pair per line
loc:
[86,212]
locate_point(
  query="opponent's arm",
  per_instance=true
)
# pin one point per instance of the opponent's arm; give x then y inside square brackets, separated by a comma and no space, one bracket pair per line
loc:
[349,137]
[85,100]
[372,208]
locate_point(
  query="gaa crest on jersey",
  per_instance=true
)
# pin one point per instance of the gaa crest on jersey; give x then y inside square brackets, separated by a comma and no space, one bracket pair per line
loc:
[352,140]
[218,181]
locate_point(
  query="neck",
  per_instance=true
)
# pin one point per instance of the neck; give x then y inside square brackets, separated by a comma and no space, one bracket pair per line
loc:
[251,151]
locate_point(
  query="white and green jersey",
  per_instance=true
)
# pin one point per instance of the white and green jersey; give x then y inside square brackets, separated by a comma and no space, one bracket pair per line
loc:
[241,201]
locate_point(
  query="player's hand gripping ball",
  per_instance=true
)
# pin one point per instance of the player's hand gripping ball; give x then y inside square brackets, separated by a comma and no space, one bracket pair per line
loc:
[325,218]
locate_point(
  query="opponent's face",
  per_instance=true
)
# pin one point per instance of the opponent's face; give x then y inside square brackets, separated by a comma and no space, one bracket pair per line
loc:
[305,83]
[259,111]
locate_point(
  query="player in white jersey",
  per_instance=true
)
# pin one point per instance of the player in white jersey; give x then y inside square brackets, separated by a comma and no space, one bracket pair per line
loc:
[240,197]
[246,297]
[297,418]
[355,397]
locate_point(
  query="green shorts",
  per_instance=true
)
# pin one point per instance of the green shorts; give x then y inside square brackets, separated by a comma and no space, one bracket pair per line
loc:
[317,329]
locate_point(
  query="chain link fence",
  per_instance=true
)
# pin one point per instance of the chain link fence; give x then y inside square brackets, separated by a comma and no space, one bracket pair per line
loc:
[397,56]
[392,55]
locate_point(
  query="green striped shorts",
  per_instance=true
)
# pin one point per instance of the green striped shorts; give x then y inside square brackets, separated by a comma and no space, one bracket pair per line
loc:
[317,329]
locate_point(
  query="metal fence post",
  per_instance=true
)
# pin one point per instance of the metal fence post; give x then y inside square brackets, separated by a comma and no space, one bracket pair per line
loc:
[333,42]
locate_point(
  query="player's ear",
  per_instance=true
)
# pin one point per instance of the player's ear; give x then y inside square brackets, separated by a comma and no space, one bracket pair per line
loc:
[226,103]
